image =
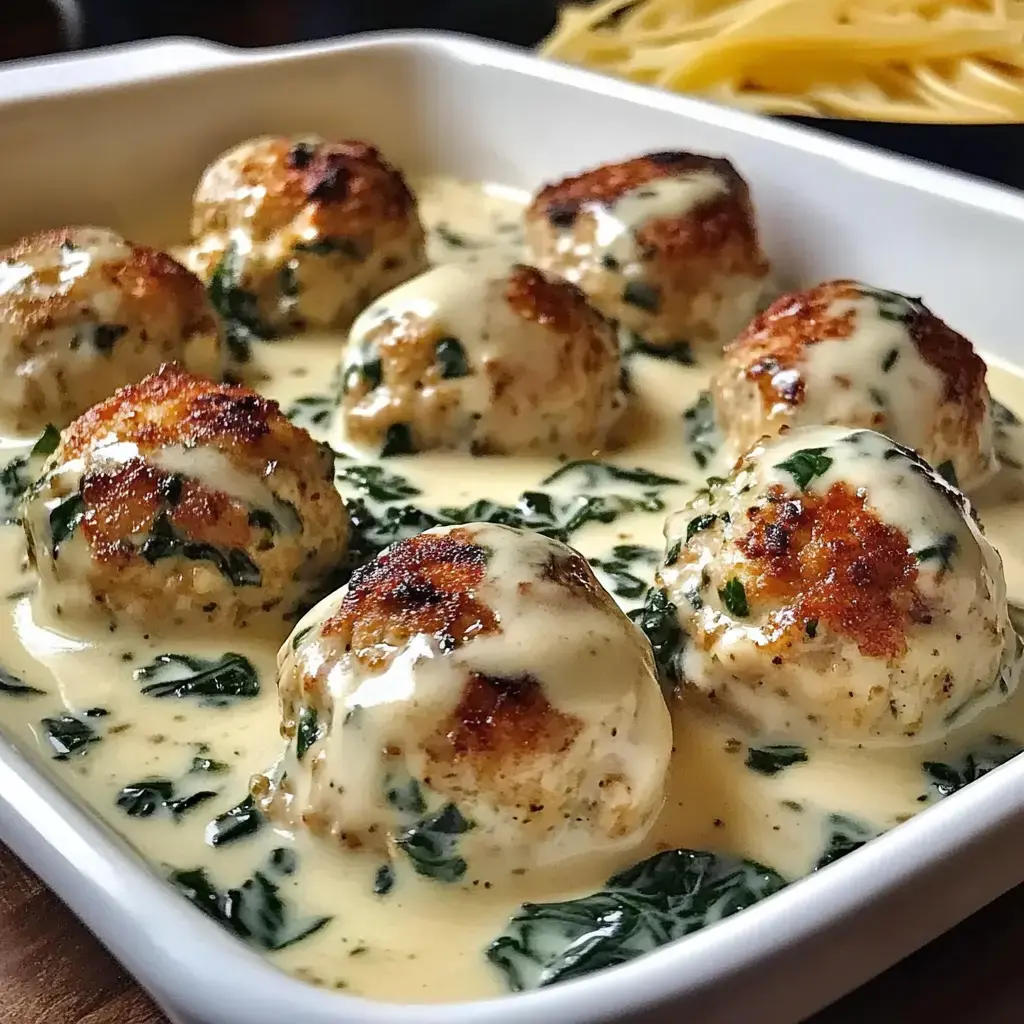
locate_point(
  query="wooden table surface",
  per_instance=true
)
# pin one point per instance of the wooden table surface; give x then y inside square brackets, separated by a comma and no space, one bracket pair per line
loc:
[52,970]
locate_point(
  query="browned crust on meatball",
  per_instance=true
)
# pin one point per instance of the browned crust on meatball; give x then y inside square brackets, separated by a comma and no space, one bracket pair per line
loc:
[423,585]
[153,286]
[553,302]
[777,339]
[348,186]
[127,501]
[174,407]
[830,558]
[723,223]
[609,182]
[500,720]
[557,304]
[572,572]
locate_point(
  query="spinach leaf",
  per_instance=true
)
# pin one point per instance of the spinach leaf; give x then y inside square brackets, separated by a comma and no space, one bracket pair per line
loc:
[942,551]
[804,465]
[65,519]
[700,430]
[333,245]
[892,305]
[642,295]
[207,764]
[890,359]
[845,835]
[660,622]
[384,880]
[47,443]
[734,596]
[374,531]
[15,480]
[625,583]
[948,472]
[452,238]
[772,760]
[242,820]
[397,441]
[101,337]
[676,352]
[143,799]
[553,517]
[432,842]
[311,411]
[253,911]
[946,778]
[164,541]
[659,900]
[405,796]
[14,686]
[238,308]
[595,473]
[307,731]
[217,681]
[451,357]
[702,522]
[377,483]
[68,735]
[1005,422]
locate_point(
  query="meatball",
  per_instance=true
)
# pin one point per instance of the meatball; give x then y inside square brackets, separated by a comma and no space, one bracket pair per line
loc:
[302,233]
[849,354]
[836,588]
[472,697]
[492,361]
[178,500]
[665,244]
[83,312]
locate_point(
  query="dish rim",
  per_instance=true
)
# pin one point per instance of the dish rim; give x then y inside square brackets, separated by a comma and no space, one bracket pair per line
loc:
[192,966]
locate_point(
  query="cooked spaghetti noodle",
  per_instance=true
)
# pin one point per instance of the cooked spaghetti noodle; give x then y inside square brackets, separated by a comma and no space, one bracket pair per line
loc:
[886,60]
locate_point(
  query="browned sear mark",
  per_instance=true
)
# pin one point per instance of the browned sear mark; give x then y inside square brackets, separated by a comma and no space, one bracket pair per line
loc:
[423,585]
[832,559]
[502,718]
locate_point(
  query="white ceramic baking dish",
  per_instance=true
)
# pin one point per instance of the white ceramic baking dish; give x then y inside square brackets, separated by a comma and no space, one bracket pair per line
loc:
[119,137]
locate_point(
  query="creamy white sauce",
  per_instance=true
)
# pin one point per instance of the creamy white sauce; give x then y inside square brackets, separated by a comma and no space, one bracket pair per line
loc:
[424,940]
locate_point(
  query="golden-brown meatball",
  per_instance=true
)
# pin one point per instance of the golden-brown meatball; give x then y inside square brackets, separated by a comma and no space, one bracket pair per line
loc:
[478,676]
[493,362]
[665,244]
[83,312]
[836,588]
[295,233]
[849,354]
[178,500]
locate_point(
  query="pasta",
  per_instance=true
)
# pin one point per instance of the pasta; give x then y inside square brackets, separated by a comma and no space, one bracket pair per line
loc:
[885,60]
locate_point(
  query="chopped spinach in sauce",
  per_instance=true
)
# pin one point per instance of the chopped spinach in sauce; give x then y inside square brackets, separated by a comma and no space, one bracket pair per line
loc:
[845,835]
[947,777]
[377,483]
[621,568]
[253,911]
[166,541]
[774,759]
[145,798]
[431,844]
[734,596]
[217,681]
[15,686]
[659,900]
[238,308]
[307,730]
[68,735]
[659,620]
[700,430]
[239,822]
